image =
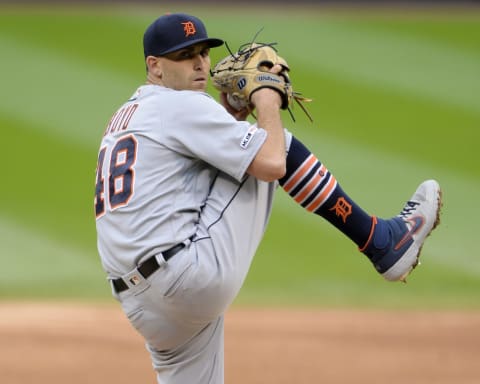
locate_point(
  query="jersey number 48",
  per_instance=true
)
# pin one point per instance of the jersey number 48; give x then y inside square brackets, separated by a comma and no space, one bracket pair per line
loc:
[121,176]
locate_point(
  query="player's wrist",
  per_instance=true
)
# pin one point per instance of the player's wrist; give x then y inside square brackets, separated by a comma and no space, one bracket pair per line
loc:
[266,97]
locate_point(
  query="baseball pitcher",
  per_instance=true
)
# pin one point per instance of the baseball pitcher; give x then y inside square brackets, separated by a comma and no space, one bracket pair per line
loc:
[184,192]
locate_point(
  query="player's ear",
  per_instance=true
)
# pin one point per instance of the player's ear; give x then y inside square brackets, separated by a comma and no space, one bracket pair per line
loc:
[153,66]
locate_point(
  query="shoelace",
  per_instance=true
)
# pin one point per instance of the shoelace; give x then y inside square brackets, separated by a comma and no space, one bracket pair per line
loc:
[408,209]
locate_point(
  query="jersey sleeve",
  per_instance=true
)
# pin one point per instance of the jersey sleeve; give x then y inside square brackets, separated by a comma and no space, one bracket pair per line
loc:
[208,132]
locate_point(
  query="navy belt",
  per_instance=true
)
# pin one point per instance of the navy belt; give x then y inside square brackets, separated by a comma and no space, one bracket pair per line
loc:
[147,267]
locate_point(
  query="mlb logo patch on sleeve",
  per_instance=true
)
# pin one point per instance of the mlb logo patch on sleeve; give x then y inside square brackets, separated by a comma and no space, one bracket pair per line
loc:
[248,136]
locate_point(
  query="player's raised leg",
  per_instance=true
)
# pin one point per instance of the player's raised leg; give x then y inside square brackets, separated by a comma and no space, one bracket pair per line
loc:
[393,245]
[184,331]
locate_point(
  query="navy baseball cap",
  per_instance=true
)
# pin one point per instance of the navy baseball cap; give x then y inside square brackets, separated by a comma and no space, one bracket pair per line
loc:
[175,31]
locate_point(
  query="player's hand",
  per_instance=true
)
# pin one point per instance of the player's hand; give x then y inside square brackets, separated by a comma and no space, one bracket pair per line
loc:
[240,115]
[268,95]
[243,113]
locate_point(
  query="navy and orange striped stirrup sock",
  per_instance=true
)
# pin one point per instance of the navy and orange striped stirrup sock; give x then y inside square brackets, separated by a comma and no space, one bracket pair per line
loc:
[312,186]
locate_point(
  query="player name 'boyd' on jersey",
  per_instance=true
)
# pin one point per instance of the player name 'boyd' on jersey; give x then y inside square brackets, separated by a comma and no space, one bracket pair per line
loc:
[121,118]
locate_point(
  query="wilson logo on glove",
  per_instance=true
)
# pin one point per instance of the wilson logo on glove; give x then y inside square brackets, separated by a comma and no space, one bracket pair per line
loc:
[262,78]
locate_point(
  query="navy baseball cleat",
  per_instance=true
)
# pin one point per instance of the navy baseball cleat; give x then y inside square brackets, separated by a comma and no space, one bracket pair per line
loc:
[395,245]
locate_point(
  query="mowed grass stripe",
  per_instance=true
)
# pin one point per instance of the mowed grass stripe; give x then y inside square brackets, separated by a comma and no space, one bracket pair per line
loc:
[37,265]
[96,36]
[407,65]
[49,184]
[457,29]
[385,122]
[66,97]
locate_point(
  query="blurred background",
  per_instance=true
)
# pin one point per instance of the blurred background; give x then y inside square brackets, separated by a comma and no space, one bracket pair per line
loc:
[396,100]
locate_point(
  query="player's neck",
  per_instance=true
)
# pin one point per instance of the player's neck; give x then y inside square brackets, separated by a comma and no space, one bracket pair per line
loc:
[154,80]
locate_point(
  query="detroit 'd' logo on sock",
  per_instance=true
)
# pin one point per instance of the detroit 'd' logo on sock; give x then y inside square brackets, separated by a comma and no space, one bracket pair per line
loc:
[342,208]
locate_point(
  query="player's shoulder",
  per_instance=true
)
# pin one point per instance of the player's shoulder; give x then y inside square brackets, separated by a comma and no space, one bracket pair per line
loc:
[184,104]
[158,90]
[198,101]
[150,90]
[197,96]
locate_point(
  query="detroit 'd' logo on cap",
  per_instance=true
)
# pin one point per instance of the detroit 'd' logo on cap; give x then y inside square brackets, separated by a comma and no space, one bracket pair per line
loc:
[189,28]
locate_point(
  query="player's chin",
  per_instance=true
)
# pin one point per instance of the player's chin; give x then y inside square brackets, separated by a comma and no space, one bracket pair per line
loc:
[199,85]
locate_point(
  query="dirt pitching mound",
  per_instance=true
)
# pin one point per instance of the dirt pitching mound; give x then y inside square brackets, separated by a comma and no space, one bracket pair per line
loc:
[78,343]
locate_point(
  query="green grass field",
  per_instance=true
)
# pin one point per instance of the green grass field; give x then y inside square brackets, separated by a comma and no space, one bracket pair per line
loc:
[396,100]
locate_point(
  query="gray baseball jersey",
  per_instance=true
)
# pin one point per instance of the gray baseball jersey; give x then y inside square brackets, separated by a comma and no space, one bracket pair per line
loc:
[171,169]
[158,158]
